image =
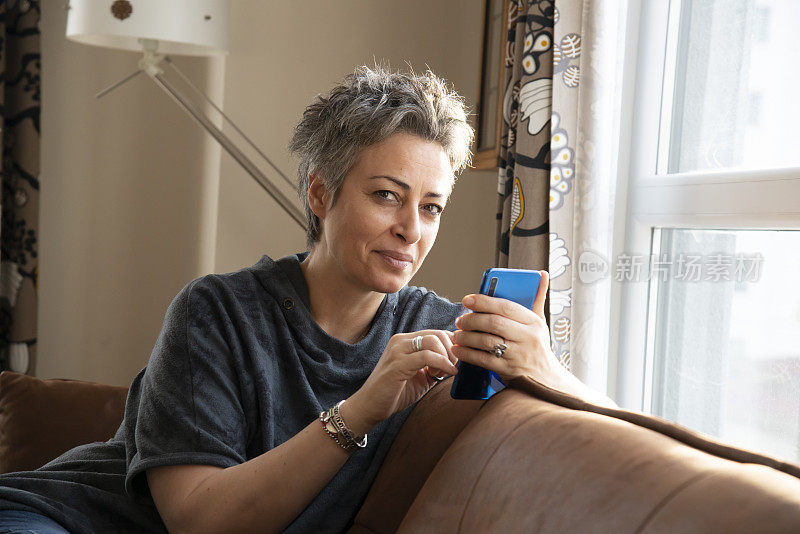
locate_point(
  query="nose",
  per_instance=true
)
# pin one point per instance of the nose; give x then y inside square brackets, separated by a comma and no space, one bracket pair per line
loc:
[408,226]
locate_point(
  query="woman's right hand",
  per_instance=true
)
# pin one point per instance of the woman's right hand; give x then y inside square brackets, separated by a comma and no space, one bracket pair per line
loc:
[400,378]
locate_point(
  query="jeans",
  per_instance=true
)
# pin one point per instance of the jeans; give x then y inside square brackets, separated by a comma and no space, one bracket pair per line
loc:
[19,522]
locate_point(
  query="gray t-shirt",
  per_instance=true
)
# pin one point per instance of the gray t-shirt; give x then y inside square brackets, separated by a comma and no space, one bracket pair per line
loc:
[239,367]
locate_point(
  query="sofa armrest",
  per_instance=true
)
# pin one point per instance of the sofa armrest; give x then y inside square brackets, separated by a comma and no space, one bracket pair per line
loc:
[41,419]
[430,429]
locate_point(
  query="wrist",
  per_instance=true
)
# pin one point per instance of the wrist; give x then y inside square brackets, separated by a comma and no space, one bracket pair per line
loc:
[550,372]
[354,417]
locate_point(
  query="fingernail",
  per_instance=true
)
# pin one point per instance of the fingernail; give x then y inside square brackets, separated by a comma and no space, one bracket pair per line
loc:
[469,300]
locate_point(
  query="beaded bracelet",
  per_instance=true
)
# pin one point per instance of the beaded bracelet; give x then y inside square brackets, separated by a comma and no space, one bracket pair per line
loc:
[331,434]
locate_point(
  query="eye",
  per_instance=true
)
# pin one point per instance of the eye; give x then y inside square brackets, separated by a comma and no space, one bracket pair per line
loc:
[380,194]
[437,209]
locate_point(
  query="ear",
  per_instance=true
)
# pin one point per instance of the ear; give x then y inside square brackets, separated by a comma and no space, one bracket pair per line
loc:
[317,195]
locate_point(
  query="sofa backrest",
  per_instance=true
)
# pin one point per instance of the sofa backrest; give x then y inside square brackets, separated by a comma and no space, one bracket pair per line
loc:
[40,419]
[523,464]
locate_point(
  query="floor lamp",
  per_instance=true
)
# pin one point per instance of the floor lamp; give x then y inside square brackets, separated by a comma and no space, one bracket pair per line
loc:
[158,28]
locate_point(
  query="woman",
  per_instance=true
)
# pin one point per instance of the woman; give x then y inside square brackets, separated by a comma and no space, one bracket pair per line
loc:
[273,393]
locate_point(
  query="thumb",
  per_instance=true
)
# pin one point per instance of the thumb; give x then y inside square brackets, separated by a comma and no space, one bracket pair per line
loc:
[538,302]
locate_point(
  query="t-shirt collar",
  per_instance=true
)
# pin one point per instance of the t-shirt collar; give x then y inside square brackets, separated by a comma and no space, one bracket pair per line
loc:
[294,285]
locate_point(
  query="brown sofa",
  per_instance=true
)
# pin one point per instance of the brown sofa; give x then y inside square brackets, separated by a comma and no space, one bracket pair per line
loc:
[529,460]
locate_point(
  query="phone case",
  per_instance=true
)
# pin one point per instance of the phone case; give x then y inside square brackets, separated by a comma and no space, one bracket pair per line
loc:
[518,285]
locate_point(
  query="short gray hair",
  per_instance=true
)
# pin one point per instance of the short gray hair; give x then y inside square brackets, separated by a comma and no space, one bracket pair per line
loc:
[367,107]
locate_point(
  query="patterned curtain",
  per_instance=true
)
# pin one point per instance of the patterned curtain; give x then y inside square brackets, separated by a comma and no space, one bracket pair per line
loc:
[20,68]
[523,182]
[562,111]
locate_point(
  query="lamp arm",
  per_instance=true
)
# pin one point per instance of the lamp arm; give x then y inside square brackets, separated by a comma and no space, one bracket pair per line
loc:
[110,88]
[228,145]
[227,119]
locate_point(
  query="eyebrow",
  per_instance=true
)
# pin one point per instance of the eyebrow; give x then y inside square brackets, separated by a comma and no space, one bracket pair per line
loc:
[407,187]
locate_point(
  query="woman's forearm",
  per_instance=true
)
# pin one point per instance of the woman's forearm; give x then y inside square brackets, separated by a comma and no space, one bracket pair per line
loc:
[268,492]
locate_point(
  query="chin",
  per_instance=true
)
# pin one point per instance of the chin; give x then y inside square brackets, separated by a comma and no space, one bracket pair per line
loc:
[391,282]
[390,286]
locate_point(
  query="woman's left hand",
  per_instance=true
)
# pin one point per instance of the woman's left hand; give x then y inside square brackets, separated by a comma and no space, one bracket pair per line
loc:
[525,333]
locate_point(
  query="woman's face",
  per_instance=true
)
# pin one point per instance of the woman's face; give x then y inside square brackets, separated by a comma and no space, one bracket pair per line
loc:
[390,204]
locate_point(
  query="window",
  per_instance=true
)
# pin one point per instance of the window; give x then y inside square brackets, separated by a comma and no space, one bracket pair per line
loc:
[714,177]
[726,335]
[735,71]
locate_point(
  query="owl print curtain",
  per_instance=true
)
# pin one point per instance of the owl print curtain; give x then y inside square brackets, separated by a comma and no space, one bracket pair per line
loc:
[19,105]
[558,165]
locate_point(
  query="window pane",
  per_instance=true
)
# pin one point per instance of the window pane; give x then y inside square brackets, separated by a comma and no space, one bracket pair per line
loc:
[736,84]
[726,357]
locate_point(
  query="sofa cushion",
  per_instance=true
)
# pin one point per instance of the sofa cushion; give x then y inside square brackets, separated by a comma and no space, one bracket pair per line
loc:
[41,419]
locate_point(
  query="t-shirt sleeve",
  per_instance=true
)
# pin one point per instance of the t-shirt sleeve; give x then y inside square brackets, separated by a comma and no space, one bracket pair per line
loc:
[189,408]
[421,308]
[453,312]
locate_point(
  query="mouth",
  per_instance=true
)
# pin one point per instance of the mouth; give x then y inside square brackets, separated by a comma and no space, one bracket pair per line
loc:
[396,259]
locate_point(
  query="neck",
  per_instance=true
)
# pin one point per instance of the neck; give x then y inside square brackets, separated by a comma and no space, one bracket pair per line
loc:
[339,306]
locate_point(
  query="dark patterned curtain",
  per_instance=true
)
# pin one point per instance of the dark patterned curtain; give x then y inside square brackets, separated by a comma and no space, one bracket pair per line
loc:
[20,67]
[523,240]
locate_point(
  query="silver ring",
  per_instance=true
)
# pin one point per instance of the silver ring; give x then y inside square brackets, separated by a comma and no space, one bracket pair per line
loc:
[416,343]
[437,378]
[499,349]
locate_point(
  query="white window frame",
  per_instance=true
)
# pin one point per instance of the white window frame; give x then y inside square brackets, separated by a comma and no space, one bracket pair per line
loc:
[647,199]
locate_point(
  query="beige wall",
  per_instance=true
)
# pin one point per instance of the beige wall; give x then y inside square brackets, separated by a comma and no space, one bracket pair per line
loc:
[284,53]
[129,184]
[127,207]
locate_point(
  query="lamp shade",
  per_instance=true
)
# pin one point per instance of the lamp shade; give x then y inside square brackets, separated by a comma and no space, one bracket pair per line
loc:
[181,27]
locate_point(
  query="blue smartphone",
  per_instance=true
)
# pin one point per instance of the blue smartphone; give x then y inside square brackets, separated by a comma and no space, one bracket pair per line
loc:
[519,285]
